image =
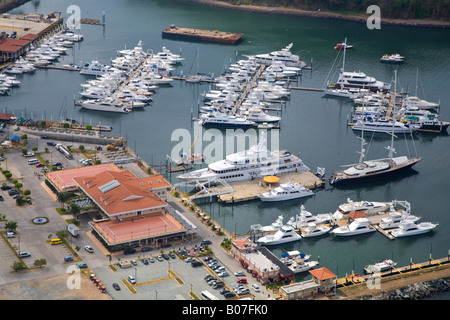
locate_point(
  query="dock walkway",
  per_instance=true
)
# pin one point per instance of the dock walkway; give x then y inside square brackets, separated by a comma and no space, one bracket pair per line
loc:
[249,190]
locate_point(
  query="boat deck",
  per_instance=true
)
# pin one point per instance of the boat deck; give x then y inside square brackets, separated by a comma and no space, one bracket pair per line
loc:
[202,35]
[249,190]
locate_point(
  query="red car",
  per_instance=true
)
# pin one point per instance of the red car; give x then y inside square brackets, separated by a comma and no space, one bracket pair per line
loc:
[242,280]
[39,165]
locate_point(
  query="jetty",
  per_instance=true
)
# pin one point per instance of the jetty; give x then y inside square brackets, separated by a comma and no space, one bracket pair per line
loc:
[192,34]
[248,190]
[58,68]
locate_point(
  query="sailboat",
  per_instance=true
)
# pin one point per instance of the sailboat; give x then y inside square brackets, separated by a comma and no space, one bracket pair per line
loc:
[366,170]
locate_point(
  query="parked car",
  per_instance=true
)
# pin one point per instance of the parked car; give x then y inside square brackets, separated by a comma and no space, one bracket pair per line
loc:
[159,258]
[12,192]
[24,254]
[10,234]
[242,280]
[129,251]
[29,154]
[82,265]
[145,261]
[224,291]
[5,187]
[172,255]
[89,249]
[131,280]
[116,286]
[146,249]
[189,259]
[1,198]
[239,274]
[165,256]
[229,295]
[1,159]
[255,287]
[206,242]
[68,259]
[151,260]
[16,196]
[40,165]
[51,143]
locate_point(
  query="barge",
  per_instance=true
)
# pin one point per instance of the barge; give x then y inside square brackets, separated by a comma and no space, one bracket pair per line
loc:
[202,35]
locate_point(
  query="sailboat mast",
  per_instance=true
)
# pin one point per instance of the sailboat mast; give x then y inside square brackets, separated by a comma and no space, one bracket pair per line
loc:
[391,149]
[343,57]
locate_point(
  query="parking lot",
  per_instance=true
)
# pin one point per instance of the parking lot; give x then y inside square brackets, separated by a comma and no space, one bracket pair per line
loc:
[164,279]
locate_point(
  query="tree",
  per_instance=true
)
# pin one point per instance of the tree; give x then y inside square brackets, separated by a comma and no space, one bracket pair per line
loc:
[43,123]
[62,234]
[18,265]
[11,225]
[40,262]
[88,127]
[74,209]
[66,125]
[63,197]
[34,148]
[81,147]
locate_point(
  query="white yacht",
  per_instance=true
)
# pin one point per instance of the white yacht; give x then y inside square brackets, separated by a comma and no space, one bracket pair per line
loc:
[169,57]
[314,230]
[392,58]
[258,115]
[274,226]
[383,126]
[419,103]
[222,120]
[350,93]
[94,93]
[287,257]
[97,69]
[408,228]
[286,234]
[385,265]
[367,207]
[256,162]
[283,55]
[104,105]
[357,227]
[299,265]
[305,218]
[394,219]
[286,191]
[360,80]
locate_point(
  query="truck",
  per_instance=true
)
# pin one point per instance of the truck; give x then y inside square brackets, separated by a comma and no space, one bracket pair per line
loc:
[73,230]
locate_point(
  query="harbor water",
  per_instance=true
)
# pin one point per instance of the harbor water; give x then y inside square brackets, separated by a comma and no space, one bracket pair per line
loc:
[312,125]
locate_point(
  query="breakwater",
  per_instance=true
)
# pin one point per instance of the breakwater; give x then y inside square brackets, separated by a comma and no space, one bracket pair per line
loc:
[11,4]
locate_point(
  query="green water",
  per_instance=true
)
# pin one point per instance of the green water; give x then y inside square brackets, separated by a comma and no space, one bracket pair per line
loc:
[311,125]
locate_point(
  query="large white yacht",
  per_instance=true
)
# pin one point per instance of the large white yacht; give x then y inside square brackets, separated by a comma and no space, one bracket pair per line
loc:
[256,162]
[222,120]
[385,265]
[104,105]
[360,80]
[367,207]
[286,234]
[274,226]
[95,68]
[286,191]
[414,101]
[313,230]
[283,55]
[394,219]
[258,115]
[408,228]
[357,227]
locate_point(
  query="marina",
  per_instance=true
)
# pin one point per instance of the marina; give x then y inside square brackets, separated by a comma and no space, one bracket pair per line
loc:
[318,126]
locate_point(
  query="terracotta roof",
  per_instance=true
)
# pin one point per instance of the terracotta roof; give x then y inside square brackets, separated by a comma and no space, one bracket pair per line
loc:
[119,192]
[29,36]
[357,214]
[12,45]
[322,273]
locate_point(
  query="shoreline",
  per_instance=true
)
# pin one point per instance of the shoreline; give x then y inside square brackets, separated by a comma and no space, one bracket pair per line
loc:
[323,14]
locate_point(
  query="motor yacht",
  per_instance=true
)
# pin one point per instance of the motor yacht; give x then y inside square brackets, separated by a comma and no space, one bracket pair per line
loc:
[350,93]
[314,230]
[294,254]
[283,55]
[414,101]
[408,228]
[97,69]
[357,227]
[169,57]
[286,191]
[285,234]
[299,265]
[305,218]
[370,125]
[392,58]
[256,162]
[94,93]
[367,207]
[385,265]
[221,120]
[104,105]
[394,219]
[258,115]
[274,226]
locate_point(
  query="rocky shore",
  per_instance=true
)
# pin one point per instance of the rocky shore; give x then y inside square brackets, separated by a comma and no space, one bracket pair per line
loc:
[415,291]
[323,14]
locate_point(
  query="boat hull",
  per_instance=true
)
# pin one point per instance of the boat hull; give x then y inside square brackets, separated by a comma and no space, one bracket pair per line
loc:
[392,171]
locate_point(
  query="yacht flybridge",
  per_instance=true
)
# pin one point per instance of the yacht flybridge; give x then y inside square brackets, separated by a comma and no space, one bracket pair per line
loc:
[253,163]
[283,55]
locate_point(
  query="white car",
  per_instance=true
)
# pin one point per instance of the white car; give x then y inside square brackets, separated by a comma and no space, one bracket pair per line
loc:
[89,249]
[239,274]
[255,287]
[131,280]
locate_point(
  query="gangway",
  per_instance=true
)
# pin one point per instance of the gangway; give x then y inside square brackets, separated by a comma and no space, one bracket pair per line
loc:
[207,191]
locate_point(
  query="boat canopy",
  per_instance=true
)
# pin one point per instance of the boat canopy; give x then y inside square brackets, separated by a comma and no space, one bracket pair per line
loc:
[271,179]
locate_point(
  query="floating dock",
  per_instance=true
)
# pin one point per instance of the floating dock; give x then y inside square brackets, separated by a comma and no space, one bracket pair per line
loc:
[249,190]
[202,35]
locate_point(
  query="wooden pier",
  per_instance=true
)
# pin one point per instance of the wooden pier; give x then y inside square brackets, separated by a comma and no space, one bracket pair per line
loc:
[306,89]
[91,21]
[249,190]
